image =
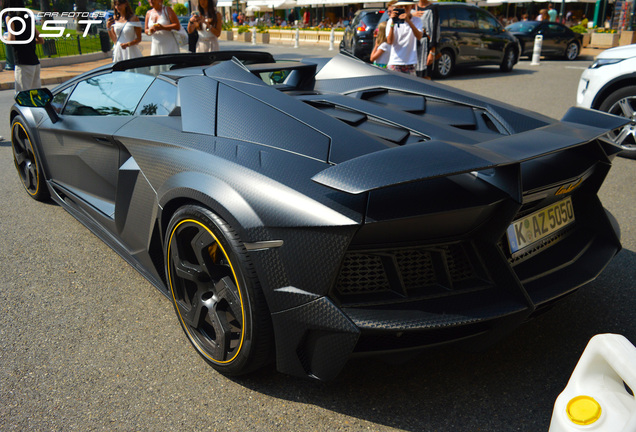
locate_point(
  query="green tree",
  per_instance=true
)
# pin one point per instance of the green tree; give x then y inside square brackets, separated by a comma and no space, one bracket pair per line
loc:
[180,9]
[141,10]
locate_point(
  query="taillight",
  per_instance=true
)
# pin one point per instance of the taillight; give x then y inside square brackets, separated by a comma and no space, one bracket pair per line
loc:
[362,27]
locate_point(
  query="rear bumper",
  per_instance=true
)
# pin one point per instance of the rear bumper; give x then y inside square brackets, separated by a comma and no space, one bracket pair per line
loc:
[317,338]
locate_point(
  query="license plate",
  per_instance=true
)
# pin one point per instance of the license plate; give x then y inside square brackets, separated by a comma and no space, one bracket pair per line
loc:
[540,224]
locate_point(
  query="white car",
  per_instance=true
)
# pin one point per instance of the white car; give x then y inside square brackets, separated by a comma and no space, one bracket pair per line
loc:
[609,85]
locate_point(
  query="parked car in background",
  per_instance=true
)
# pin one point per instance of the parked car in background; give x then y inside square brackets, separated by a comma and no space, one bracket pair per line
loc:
[471,36]
[609,85]
[358,35]
[558,40]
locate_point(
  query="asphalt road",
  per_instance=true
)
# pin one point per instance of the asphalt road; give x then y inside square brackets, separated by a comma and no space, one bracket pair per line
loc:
[86,343]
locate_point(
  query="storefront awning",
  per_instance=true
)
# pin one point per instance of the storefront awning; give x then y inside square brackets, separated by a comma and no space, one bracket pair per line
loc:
[271,4]
[228,3]
[556,2]
[315,3]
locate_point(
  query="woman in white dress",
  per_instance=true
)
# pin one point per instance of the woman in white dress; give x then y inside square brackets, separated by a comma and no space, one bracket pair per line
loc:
[125,32]
[207,22]
[160,21]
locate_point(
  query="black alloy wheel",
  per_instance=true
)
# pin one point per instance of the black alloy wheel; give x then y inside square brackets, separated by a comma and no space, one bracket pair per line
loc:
[26,162]
[215,292]
[572,51]
[445,64]
[623,103]
[508,61]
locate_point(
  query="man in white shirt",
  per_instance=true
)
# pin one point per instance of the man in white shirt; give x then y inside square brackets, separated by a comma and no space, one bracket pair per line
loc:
[402,33]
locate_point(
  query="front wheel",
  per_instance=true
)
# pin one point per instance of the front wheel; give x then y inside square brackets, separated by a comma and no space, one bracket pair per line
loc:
[623,103]
[215,292]
[572,51]
[445,64]
[26,162]
[509,59]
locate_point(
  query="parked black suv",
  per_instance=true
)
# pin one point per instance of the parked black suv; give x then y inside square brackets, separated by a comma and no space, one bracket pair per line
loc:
[358,36]
[471,36]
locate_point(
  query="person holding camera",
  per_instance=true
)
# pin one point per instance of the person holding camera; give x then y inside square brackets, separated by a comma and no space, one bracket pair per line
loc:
[402,33]
[207,22]
[124,30]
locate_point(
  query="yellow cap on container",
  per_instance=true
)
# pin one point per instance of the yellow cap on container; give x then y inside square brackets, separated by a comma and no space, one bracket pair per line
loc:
[583,410]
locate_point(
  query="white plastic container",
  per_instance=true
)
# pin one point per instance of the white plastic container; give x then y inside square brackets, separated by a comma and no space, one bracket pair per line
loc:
[595,398]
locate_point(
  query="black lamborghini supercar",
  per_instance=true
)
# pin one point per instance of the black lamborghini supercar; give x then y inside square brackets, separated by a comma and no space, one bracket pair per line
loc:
[309,211]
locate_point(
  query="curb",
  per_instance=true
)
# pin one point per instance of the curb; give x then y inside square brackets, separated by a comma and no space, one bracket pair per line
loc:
[45,81]
[69,60]
[75,59]
[60,61]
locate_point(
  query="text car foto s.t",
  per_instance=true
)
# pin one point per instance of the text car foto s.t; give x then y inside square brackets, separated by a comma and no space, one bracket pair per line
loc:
[305,212]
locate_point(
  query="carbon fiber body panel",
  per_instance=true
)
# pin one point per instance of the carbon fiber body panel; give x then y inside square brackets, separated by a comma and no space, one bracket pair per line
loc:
[377,209]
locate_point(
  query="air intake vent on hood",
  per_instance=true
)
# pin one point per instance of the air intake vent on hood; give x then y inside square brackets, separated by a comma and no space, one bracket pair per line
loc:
[400,100]
[447,112]
[372,126]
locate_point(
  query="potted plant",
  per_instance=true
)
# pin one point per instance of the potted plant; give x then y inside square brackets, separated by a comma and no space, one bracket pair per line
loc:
[226,31]
[586,34]
[244,34]
[604,38]
[262,35]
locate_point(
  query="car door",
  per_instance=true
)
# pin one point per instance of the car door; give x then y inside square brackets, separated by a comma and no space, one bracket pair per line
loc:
[464,29]
[558,38]
[350,32]
[82,157]
[550,38]
[492,38]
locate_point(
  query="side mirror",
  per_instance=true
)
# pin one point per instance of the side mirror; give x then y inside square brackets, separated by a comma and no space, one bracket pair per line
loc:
[37,98]
[34,98]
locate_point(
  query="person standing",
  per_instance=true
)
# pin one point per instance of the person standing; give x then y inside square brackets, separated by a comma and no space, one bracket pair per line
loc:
[552,13]
[381,50]
[403,31]
[160,21]
[27,64]
[427,44]
[207,23]
[124,30]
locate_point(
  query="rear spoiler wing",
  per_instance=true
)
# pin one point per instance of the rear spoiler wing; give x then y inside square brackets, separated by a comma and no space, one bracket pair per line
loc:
[431,159]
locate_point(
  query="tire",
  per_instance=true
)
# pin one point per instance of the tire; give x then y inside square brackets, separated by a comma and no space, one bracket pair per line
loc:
[26,162]
[623,103]
[509,59]
[445,64]
[215,292]
[572,51]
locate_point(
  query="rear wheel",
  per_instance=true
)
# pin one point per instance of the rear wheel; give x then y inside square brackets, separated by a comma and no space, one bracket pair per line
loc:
[215,292]
[623,103]
[445,64]
[509,58]
[572,51]
[26,161]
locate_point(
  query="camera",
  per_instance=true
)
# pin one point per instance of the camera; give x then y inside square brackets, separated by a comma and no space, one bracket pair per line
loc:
[399,11]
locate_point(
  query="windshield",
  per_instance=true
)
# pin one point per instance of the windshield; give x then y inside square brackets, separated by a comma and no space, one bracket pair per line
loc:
[523,26]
